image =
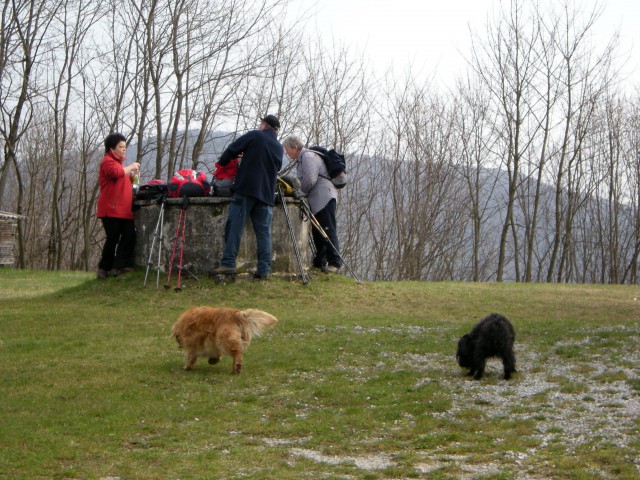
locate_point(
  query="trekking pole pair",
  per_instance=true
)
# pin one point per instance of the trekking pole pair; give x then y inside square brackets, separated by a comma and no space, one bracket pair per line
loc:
[181,230]
[306,210]
[179,238]
[303,275]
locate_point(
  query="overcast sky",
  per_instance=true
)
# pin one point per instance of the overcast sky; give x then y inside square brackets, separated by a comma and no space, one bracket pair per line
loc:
[433,35]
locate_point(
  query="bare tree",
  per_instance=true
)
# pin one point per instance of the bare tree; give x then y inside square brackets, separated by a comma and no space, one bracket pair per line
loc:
[474,130]
[632,166]
[416,192]
[25,31]
[74,22]
[244,78]
[583,79]
[548,96]
[506,66]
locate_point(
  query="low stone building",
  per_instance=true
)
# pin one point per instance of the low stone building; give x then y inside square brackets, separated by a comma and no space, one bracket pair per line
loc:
[8,230]
[205,219]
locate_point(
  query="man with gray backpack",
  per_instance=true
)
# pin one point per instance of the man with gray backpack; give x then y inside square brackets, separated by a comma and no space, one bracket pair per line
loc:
[322,195]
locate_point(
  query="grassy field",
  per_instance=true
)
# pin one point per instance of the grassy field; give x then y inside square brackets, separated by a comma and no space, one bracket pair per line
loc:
[355,382]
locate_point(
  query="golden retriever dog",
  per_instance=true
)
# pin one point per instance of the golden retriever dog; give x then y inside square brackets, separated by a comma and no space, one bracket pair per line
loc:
[211,332]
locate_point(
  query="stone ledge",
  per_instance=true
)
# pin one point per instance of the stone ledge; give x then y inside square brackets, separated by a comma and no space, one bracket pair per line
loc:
[204,235]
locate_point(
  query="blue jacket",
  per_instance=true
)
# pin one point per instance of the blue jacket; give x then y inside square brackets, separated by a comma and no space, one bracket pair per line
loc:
[261,161]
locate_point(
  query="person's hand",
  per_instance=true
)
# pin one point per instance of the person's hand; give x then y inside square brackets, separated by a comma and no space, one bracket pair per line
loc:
[131,169]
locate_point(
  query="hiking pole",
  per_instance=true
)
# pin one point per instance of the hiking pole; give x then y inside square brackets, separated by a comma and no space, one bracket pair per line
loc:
[184,229]
[312,246]
[173,251]
[315,223]
[157,236]
[160,246]
[292,234]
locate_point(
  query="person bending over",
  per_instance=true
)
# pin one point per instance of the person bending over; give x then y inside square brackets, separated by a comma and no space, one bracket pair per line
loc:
[322,197]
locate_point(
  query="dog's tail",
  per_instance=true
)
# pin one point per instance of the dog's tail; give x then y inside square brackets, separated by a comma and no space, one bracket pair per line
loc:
[175,332]
[256,321]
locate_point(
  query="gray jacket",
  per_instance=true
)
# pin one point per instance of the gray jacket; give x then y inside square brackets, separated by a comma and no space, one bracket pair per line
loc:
[314,180]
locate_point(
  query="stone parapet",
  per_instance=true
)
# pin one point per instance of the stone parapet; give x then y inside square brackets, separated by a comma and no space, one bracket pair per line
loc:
[204,235]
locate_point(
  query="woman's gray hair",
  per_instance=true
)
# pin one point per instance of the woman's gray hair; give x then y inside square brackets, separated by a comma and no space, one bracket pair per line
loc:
[293,141]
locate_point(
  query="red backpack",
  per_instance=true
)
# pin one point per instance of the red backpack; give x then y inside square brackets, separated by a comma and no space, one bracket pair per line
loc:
[188,183]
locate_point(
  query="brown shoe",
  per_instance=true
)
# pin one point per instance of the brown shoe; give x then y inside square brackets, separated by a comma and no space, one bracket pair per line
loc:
[222,270]
[102,274]
[332,269]
[126,270]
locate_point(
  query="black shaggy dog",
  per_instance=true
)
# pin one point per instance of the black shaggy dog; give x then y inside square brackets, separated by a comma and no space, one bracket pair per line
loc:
[492,336]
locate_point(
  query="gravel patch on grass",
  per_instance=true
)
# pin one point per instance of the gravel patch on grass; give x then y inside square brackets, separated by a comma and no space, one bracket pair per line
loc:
[368,462]
[602,411]
[590,399]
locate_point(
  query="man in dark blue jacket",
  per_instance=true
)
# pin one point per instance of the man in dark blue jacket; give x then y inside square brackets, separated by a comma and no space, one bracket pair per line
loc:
[253,193]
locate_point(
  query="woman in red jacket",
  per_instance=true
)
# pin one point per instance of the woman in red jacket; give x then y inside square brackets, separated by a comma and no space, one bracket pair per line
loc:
[114,208]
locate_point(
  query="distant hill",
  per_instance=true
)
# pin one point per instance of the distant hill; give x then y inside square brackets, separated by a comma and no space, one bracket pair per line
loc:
[214,144]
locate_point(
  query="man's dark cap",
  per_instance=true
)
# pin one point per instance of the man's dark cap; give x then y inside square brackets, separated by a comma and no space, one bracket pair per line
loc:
[272,121]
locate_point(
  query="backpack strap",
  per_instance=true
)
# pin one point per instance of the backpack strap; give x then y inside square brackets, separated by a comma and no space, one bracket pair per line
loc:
[324,164]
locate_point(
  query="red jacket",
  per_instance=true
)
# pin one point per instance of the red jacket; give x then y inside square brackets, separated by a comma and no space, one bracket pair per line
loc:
[226,172]
[116,191]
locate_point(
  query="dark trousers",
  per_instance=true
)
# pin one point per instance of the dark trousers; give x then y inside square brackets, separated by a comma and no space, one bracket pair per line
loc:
[243,206]
[119,247]
[325,253]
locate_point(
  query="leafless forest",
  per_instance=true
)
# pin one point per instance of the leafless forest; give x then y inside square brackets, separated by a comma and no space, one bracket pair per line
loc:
[527,169]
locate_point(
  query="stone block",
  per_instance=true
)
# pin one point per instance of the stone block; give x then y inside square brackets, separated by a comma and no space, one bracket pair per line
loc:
[204,236]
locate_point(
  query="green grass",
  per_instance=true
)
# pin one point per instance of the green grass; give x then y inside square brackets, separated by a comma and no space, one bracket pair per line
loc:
[355,381]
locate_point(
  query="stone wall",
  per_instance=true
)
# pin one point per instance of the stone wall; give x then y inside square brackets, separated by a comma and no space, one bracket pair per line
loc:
[204,236]
[8,227]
